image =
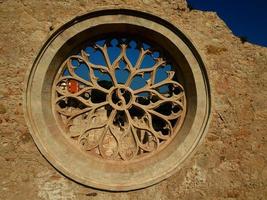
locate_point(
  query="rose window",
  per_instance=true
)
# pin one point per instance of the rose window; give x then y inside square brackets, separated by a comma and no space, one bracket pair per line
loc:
[119,99]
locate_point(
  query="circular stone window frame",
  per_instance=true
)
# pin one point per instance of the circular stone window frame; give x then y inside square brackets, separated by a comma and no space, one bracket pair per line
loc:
[76,164]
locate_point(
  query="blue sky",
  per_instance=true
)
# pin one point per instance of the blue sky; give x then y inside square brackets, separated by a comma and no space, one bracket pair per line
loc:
[247,18]
[121,73]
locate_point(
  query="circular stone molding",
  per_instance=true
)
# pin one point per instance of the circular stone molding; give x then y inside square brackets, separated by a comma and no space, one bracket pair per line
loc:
[117,99]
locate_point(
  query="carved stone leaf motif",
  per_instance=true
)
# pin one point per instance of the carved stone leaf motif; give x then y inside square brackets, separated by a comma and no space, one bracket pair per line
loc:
[113,120]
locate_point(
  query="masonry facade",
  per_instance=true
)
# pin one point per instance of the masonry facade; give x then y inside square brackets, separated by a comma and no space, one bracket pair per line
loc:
[229,164]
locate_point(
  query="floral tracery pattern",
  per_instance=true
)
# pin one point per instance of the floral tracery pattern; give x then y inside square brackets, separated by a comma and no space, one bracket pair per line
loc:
[117,107]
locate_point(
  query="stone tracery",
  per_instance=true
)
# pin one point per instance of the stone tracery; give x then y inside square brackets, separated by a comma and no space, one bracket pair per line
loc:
[111,119]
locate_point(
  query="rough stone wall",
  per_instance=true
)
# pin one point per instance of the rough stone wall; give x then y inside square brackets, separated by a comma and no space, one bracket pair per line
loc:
[231,163]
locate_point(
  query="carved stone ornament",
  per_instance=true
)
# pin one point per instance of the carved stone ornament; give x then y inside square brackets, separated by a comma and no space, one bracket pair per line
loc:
[117,99]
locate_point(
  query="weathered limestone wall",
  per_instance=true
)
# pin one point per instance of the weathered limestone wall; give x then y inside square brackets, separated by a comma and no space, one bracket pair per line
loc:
[231,163]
